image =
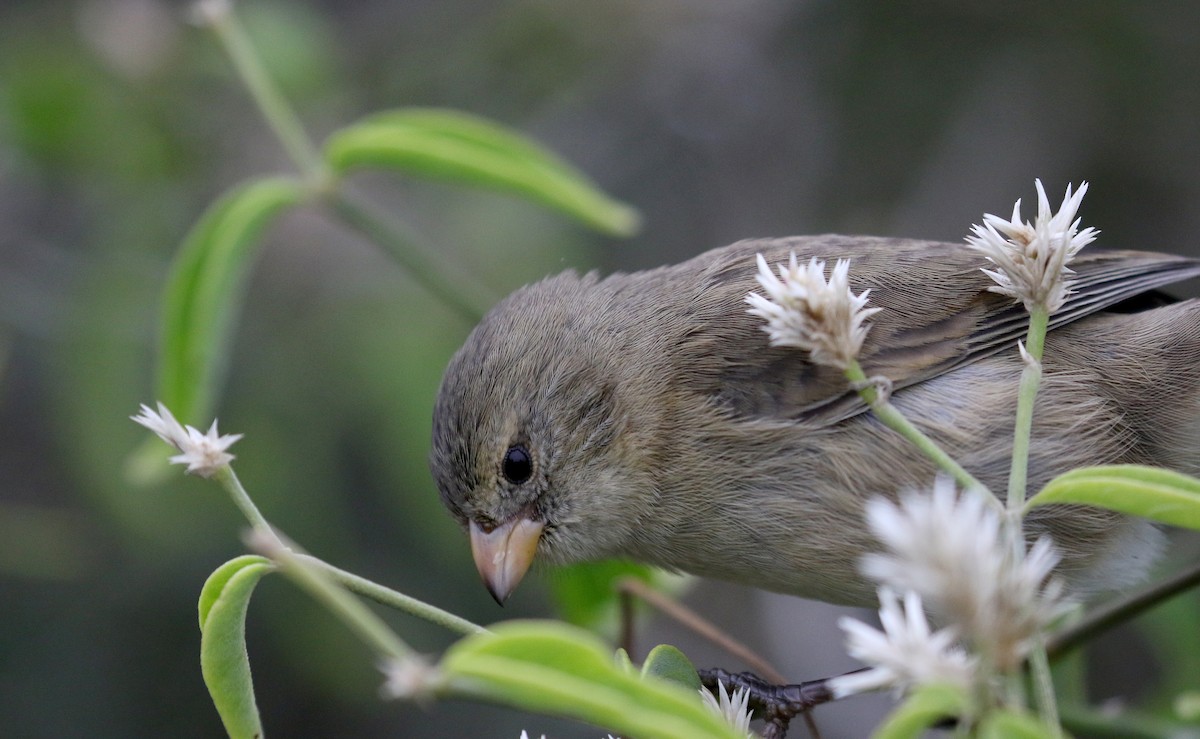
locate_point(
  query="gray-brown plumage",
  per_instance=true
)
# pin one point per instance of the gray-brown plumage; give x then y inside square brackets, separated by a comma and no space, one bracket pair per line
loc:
[644,415]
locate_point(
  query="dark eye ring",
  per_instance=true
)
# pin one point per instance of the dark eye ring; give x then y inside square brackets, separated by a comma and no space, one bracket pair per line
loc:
[518,465]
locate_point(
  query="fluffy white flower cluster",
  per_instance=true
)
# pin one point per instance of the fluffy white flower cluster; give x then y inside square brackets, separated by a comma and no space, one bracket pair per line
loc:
[203,453]
[905,654]
[1031,258]
[733,708]
[806,311]
[960,556]
[408,678]
[955,554]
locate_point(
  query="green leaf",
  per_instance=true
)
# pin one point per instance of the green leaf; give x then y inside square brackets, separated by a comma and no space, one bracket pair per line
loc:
[554,668]
[468,150]
[585,594]
[923,709]
[670,664]
[622,661]
[203,292]
[223,659]
[1013,725]
[215,584]
[1151,492]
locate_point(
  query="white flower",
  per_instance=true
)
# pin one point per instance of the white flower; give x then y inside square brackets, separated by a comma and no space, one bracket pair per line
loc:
[905,654]
[210,12]
[203,453]
[959,555]
[734,709]
[804,310]
[408,678]
[1031,259]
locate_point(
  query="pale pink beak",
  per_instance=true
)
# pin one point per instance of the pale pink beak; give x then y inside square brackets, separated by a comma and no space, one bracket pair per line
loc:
[504,554]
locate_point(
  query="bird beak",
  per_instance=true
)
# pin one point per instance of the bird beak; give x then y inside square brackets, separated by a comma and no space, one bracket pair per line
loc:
[503,554]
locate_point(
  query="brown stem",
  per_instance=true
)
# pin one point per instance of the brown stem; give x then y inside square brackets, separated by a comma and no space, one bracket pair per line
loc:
[1114,614]
[685,616]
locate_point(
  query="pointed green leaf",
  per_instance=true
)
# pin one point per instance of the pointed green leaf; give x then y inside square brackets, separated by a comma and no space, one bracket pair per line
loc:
[203,292]
[1151,492]
[468,150]
[668,663]
[1013,725]
[622,661]
[223,659]
[215,584]
[922,710]
[553,668]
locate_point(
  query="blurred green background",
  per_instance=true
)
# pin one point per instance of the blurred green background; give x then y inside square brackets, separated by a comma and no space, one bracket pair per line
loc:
[120,122]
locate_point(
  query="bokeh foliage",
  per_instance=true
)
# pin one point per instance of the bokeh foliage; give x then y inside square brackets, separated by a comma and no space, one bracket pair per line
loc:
[119,123]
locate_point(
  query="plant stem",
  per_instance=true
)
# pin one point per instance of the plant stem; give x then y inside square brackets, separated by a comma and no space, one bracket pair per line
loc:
[274,107]
[1097,622]
[1043,685]
[456,289]
[229,480]
[895,420]
[1014,691]
[1100,723]
[376,592]
[1031,377]
[460,291]
[360,619]
[697,624]
[393,599]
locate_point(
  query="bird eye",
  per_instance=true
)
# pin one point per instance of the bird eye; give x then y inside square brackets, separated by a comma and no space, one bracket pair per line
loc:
[518,466]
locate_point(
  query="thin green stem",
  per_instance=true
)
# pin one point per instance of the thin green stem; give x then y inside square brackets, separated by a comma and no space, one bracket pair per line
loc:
[1043,686]
[353,612]
[1018,476]
[1014,690]
[393,599]
[895,420]
[455,288]
[228,479]
[1031,377]
[459,290]
[376,592]
[271,102]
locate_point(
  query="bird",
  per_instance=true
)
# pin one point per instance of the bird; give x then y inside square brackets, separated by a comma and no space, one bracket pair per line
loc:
[644,415]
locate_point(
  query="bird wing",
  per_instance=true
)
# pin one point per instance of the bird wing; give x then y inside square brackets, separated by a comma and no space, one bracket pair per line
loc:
[938,314]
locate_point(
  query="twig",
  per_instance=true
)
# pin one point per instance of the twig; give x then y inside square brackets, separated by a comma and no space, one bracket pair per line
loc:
[1113,614]
[698,624]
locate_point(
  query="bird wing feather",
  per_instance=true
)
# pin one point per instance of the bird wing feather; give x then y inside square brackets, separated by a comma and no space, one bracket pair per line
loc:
[938,314]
